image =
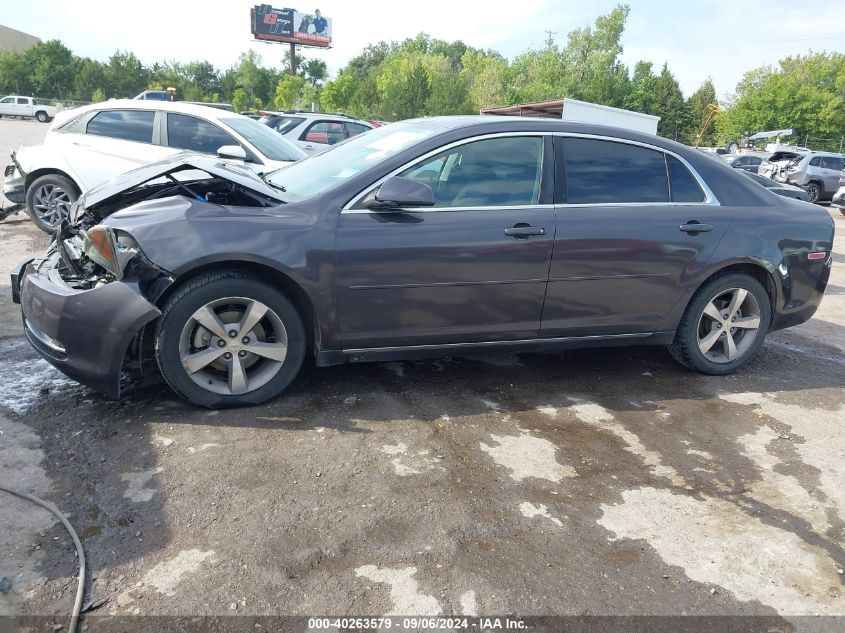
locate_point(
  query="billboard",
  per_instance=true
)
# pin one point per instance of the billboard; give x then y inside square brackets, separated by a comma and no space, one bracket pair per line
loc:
[289,25]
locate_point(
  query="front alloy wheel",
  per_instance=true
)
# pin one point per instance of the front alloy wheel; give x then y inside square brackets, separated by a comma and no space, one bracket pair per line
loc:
[225,339]
[233,345]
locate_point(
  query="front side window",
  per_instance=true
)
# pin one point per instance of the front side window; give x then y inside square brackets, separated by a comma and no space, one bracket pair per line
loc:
[129,125]
[325,133]
[496,172]
[195,135]
[683,184]
[607,172]
[815,162]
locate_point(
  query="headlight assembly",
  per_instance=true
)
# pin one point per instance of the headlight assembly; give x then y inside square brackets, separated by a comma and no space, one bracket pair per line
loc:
[109,250]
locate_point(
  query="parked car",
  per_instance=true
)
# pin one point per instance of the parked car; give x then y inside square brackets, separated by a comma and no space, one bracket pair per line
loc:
[154,95]
[315,132]
[774,165]
[89,145]
[426,237]
[746,162]
[26,107]
[780,188]
[817,172]
[838,200]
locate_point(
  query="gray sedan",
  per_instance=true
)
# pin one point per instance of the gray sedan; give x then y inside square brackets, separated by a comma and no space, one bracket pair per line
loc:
[427,237]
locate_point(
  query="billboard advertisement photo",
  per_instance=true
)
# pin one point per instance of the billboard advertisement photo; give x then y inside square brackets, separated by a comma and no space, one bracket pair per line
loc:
[290,25]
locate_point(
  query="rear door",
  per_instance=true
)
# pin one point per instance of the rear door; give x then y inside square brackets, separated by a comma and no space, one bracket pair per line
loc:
[626,240]
[114,141]
[471,269]
[831,168]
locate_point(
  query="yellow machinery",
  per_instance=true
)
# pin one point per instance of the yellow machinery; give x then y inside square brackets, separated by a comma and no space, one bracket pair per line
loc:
[712,109]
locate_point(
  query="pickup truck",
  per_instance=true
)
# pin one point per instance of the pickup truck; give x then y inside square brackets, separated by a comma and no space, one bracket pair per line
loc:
[26,107]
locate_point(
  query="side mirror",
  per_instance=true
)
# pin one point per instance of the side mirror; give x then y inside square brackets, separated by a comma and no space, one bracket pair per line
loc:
[397,192]
[231,151]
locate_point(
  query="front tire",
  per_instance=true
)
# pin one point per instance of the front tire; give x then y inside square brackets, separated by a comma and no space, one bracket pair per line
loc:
[226,339]
[49,199]
[724,325]
[814,191]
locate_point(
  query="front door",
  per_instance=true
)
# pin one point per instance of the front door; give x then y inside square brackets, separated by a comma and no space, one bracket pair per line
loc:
[473,268]
[626,243]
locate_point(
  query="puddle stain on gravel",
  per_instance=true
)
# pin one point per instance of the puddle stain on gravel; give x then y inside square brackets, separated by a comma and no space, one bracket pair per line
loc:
[404,590]
[529,510]
[167,575]
[136,489]
[714,541]
[527,457]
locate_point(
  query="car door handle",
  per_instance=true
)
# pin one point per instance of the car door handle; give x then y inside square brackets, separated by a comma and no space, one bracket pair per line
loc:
[524,230]
[696,227]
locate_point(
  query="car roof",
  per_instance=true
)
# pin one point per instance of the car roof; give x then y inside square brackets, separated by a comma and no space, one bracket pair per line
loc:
[332,116]
[206,112]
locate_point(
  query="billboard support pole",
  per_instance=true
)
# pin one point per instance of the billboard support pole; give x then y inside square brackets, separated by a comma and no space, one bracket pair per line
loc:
[292,58]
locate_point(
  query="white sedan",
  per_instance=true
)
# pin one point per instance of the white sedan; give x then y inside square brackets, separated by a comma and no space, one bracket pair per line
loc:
[90,145]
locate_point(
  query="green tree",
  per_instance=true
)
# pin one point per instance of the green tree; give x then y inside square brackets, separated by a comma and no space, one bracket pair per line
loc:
[248,72]
[697,107]
[242,102]
[125,75]
[669,105]
[89,79]
[806,93]
[289,92]
[51,67]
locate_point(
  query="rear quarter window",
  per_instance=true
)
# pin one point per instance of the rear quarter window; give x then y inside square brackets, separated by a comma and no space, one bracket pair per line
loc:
[128,125]
[683,184]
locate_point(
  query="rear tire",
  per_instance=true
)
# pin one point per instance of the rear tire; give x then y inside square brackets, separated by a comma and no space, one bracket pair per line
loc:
[726,307]
[48,200]
[210,367]
[42,116]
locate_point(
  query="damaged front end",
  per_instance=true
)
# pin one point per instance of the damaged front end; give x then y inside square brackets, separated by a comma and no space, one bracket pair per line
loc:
[88,301]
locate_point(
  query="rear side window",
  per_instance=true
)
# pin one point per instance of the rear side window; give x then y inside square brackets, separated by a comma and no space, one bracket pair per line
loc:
[607,172]
[195,135]
[832,162]
[282,124]
[129,125]
[354,129]
[683,184]
[23,101]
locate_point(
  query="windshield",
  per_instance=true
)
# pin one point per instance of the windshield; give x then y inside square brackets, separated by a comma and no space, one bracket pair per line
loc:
[268,142]
[352,156]
[762,180]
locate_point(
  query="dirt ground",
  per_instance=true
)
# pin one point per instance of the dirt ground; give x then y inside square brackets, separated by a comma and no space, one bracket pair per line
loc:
[601,482]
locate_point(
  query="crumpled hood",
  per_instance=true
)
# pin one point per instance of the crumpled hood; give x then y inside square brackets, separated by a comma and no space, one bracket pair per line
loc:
[182,162]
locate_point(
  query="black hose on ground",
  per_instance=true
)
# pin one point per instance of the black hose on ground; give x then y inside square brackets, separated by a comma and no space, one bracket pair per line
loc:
[77,605]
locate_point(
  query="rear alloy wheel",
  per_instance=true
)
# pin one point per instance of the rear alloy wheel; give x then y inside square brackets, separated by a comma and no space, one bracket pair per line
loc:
[42,116]
[724,325]
[814,191]
[228,340]
[49,199]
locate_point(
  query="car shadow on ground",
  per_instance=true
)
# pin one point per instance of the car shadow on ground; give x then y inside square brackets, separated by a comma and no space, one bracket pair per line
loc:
[105,458]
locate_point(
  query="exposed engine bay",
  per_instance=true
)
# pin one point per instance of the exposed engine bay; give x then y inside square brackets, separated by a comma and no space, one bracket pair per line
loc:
[91,254]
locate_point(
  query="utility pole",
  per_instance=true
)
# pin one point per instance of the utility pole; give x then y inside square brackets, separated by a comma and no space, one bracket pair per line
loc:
[550,40]
[292,58]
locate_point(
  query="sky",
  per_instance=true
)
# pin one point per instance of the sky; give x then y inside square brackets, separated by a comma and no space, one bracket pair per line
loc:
[721,39]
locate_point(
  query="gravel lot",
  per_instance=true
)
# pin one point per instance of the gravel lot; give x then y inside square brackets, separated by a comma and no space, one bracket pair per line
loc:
[602,482]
